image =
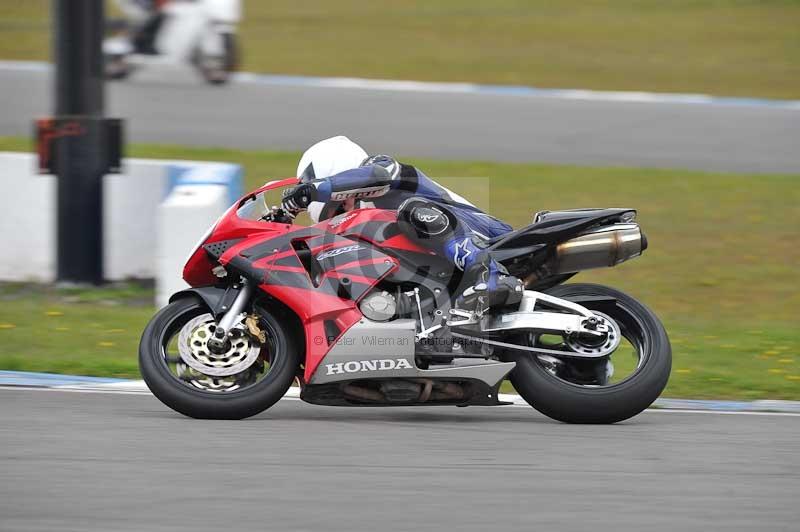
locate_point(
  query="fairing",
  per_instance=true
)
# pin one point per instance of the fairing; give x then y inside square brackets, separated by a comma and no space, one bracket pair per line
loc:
[319,272]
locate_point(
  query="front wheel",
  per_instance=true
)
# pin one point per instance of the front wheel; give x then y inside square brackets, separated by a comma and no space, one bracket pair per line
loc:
[575,390]
[248,376]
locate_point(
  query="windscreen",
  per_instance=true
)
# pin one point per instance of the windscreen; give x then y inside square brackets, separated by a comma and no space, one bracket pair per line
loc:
[254,208]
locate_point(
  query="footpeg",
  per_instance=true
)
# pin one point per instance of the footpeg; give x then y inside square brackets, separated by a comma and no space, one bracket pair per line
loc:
[462,317]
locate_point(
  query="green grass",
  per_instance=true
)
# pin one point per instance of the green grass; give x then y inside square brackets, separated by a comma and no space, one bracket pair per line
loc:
[721,270]
[727,47]
[73,331]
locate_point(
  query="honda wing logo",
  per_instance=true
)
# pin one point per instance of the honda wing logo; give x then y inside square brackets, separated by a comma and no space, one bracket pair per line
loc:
[356,366]
[338,251]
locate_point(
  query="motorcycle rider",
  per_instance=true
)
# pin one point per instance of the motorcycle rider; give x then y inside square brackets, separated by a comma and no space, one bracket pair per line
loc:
[337,175]
[146,18]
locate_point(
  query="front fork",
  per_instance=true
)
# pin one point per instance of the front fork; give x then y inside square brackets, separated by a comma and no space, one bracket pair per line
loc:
[229,319]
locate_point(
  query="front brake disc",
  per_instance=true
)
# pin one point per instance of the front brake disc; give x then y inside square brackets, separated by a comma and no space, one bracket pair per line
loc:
[242,351]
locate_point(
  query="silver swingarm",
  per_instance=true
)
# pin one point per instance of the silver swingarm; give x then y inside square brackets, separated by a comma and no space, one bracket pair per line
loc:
[526,317]
[526,348]
[567,319]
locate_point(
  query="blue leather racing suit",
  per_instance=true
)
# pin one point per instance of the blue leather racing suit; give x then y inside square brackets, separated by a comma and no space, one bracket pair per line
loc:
[463,245]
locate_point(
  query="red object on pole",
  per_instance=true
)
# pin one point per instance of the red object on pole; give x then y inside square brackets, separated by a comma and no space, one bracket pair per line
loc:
[79,144]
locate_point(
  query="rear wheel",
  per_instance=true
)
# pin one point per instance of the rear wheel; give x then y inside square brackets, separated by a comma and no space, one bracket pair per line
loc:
[217,70]
[577,390]
[251,374]
[116,66]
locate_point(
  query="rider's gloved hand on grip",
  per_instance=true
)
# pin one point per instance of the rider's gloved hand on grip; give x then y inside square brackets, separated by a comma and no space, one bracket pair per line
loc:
[298,198]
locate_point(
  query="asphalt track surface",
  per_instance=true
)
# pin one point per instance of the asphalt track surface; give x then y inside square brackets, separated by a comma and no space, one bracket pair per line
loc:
[97,461]
[168,106]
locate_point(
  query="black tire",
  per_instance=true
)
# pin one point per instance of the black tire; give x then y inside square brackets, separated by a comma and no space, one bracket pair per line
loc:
[572,403]
[229,62]
[202,404]
[116,68]
[232,52]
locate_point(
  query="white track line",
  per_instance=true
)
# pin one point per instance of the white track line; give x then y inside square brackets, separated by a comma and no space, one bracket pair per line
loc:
[722,412]
[293,395]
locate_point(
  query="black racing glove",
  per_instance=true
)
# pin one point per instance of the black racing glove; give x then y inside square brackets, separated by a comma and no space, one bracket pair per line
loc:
[297,198]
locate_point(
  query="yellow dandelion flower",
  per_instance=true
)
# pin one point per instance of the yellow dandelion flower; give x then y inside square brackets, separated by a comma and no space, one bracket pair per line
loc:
[106,344]
[7,326]
[53,313]
[785,360]
[776,370]
[683,370]
[793,377]
[62,329]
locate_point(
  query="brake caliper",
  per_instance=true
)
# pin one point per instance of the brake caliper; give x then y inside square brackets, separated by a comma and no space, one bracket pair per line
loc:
[255,331]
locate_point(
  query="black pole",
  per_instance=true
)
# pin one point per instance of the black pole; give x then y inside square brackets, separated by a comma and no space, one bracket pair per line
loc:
[80,149]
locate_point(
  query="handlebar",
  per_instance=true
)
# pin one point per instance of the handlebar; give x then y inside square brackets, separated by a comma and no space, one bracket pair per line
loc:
[278,215]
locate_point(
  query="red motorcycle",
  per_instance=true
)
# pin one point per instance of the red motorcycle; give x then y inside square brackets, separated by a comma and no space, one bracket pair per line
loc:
[361,315]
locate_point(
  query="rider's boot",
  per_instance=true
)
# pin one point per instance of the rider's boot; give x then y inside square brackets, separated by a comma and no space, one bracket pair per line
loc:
[493,286]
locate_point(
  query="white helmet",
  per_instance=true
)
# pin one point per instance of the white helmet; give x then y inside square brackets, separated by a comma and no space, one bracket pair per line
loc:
[329,157]
[326,158]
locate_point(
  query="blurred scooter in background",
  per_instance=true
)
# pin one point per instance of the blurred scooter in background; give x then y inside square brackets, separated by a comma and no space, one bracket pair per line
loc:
[201,33]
